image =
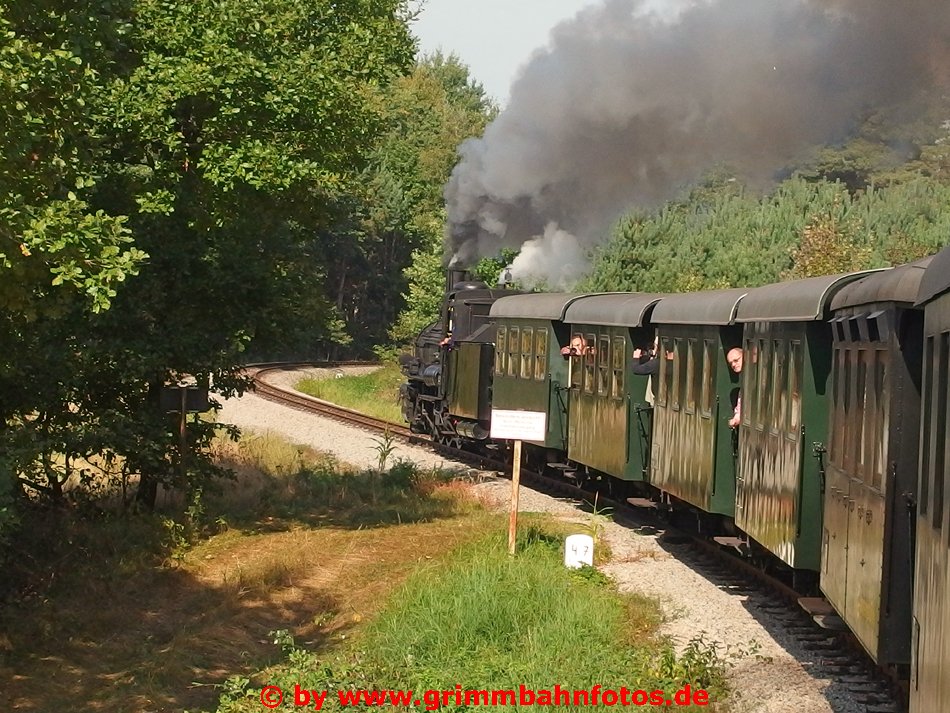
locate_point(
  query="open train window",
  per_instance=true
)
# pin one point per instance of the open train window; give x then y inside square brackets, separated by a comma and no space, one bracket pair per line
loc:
[603,366]
[590,364]
[527,352]
[514,350]
[577,365]
[708,377]
[618,367]
[540,354]
[501,342]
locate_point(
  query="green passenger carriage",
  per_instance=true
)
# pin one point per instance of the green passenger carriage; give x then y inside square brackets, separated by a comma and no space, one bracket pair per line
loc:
[529,372]
[871,468]
[787,348]
[930,631]
[610,409]
[692,456]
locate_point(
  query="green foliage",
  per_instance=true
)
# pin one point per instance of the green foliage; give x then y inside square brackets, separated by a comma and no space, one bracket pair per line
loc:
[385,445]
[434,111]
[50,236]
[426,278]
[723,236]
[226,141]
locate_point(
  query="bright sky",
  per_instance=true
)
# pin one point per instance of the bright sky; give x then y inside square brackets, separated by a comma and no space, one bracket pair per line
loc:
[493,37]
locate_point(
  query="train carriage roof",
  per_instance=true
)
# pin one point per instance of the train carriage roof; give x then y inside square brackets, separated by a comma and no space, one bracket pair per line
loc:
[620,309]
[936,279]
[795,301]
[900,284]
[712,307]
[535,305]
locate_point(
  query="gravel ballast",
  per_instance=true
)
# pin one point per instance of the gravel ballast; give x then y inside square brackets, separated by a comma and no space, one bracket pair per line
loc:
[770,672]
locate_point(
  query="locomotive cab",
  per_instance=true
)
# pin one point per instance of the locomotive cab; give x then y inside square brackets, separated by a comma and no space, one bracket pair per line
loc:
[448,375]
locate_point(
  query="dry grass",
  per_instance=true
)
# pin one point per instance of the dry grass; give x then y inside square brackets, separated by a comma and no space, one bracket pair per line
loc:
[105,620]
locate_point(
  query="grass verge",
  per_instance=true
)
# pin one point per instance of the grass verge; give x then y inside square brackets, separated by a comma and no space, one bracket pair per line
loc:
[485,621]
[375,394]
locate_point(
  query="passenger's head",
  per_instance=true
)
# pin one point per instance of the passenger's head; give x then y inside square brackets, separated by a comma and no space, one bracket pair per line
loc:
[734,358]
[578,343]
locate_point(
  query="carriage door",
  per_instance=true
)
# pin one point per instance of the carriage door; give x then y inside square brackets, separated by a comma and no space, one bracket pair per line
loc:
[866,506]
[834,536]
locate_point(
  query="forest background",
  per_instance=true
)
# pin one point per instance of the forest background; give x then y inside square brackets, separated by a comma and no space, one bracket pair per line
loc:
[190,186]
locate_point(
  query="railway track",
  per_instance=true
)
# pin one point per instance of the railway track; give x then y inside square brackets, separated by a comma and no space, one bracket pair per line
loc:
[837,653]
[310,404]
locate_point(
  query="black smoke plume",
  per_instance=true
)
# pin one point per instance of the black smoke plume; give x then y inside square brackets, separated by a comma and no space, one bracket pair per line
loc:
[624,108]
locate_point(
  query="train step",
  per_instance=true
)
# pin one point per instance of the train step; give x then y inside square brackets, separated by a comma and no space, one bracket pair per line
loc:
[815,605]
[822,613]
[568,470]
[737,543]
[831,622]
[642,502]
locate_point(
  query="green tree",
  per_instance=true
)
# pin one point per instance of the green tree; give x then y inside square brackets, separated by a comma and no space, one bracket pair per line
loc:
[230,134]
[433,111]
[50,237]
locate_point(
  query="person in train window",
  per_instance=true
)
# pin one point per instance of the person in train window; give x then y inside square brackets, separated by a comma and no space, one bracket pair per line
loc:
[577,346]
[734,359]
[647,364]
[647,360]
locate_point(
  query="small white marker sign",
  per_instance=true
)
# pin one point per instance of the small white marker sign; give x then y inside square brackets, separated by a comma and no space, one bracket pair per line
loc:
[578,551]
[518,425]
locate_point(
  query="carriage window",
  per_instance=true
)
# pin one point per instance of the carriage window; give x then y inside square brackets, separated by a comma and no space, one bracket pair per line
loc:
[795,388]
[940,434]
[500,344]
[862,409]
[928,390]
[619,362]
[708,377]
[527,353]
[837,410]
[779,385]
[577,368]
[847,437]
[692,357]
[882,421]
[590,364]
[541,354]
[603,366]
[679,378]
[763,375]
[666,373]
[514,347]
[747,381]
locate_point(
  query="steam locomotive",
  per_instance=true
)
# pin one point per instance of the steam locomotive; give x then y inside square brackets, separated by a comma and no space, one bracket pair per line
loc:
[837,470]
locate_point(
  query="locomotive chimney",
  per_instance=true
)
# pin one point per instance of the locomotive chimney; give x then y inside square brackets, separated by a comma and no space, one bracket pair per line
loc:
[455,276]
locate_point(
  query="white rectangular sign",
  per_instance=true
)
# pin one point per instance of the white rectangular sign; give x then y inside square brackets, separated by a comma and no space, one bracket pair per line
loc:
[518,425]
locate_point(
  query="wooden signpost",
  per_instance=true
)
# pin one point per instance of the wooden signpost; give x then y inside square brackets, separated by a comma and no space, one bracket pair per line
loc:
[517,426]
